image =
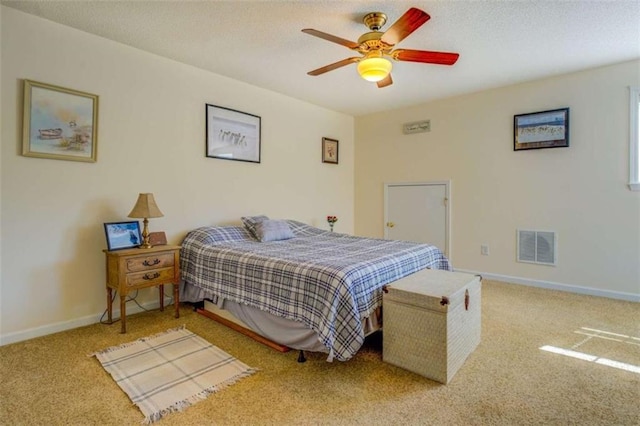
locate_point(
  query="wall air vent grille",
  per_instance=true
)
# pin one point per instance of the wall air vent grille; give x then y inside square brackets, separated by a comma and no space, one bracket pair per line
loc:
[539,247]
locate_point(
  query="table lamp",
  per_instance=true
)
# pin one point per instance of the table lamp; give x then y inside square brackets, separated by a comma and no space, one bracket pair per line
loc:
[145,208]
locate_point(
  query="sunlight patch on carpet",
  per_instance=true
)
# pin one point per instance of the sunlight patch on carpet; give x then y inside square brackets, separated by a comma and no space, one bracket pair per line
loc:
[170,371]
[607,335]
[592,358]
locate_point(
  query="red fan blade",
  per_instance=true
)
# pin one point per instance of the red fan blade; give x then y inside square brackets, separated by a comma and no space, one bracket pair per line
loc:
[387,81]
[408,23]
[442,58]
[333,66]
[332,38]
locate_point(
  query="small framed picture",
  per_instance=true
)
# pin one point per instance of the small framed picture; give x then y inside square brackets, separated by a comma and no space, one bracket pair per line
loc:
[329,151]
[545,129]
[157,238]
[122,235]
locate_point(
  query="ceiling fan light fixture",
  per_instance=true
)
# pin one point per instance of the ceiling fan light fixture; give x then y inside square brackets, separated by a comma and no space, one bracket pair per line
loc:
[374,69]
[377,46]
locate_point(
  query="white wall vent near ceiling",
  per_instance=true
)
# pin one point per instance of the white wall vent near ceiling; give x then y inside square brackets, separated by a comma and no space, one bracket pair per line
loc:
[537,247]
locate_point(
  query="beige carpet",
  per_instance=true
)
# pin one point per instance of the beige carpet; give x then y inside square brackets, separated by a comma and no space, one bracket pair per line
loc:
[508,380]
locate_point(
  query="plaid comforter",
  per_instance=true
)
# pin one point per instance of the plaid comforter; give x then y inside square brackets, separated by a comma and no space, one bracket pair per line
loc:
[328,281]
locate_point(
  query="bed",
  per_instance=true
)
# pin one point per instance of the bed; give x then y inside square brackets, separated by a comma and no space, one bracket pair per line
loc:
[327,285]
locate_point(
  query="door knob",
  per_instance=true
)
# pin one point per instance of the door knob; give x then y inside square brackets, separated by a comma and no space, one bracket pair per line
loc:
[390,224]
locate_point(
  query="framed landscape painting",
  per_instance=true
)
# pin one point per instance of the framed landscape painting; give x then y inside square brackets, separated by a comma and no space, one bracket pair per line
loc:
[545,129]
[59,123]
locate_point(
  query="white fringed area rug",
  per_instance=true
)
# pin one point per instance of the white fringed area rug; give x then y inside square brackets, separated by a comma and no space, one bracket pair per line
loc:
[170,371]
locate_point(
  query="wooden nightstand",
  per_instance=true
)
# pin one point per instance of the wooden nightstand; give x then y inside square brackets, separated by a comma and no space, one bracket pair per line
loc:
[132,269]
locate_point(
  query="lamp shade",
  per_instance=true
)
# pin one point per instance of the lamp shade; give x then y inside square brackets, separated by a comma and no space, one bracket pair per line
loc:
[145,207]
[374,69]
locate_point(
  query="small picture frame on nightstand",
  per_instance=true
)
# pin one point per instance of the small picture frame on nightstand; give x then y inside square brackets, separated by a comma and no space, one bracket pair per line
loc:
[122,235]
[157,238]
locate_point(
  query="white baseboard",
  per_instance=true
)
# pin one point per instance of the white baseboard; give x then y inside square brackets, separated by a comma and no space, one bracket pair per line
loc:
[92,319]
[44,330]
[631,297]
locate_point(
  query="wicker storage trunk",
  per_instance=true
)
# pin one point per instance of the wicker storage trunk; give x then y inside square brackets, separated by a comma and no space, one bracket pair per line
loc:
[431,322]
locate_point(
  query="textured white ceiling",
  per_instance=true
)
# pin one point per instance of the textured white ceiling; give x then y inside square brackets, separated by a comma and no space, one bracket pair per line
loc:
[261,43]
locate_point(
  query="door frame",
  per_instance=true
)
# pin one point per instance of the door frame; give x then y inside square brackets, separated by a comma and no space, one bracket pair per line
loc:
[447,205]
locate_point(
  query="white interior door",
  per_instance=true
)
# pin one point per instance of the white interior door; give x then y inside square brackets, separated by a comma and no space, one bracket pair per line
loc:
[418,212]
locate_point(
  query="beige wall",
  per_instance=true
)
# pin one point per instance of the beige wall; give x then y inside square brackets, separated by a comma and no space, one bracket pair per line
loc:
[580,192]
[151,139]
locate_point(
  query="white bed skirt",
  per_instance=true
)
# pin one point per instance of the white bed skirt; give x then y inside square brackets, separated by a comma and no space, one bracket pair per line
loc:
[283,331]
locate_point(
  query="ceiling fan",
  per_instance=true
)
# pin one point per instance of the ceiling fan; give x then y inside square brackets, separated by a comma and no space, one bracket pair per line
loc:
[375,46]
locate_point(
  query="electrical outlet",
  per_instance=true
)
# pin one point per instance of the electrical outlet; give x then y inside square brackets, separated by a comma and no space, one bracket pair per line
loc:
[484,250]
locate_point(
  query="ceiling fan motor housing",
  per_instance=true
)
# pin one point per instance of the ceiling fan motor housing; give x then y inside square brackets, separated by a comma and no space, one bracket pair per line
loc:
[371,41]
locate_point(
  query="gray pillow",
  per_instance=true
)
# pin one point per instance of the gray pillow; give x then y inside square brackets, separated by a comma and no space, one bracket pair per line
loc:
[273,230]
[250,223]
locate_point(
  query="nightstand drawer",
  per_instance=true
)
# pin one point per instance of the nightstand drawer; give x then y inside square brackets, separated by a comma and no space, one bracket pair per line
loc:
[151,277]
[160,260]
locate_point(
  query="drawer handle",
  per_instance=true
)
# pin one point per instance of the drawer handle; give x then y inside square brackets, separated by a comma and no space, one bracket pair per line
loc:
[154,262]
[153,276]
